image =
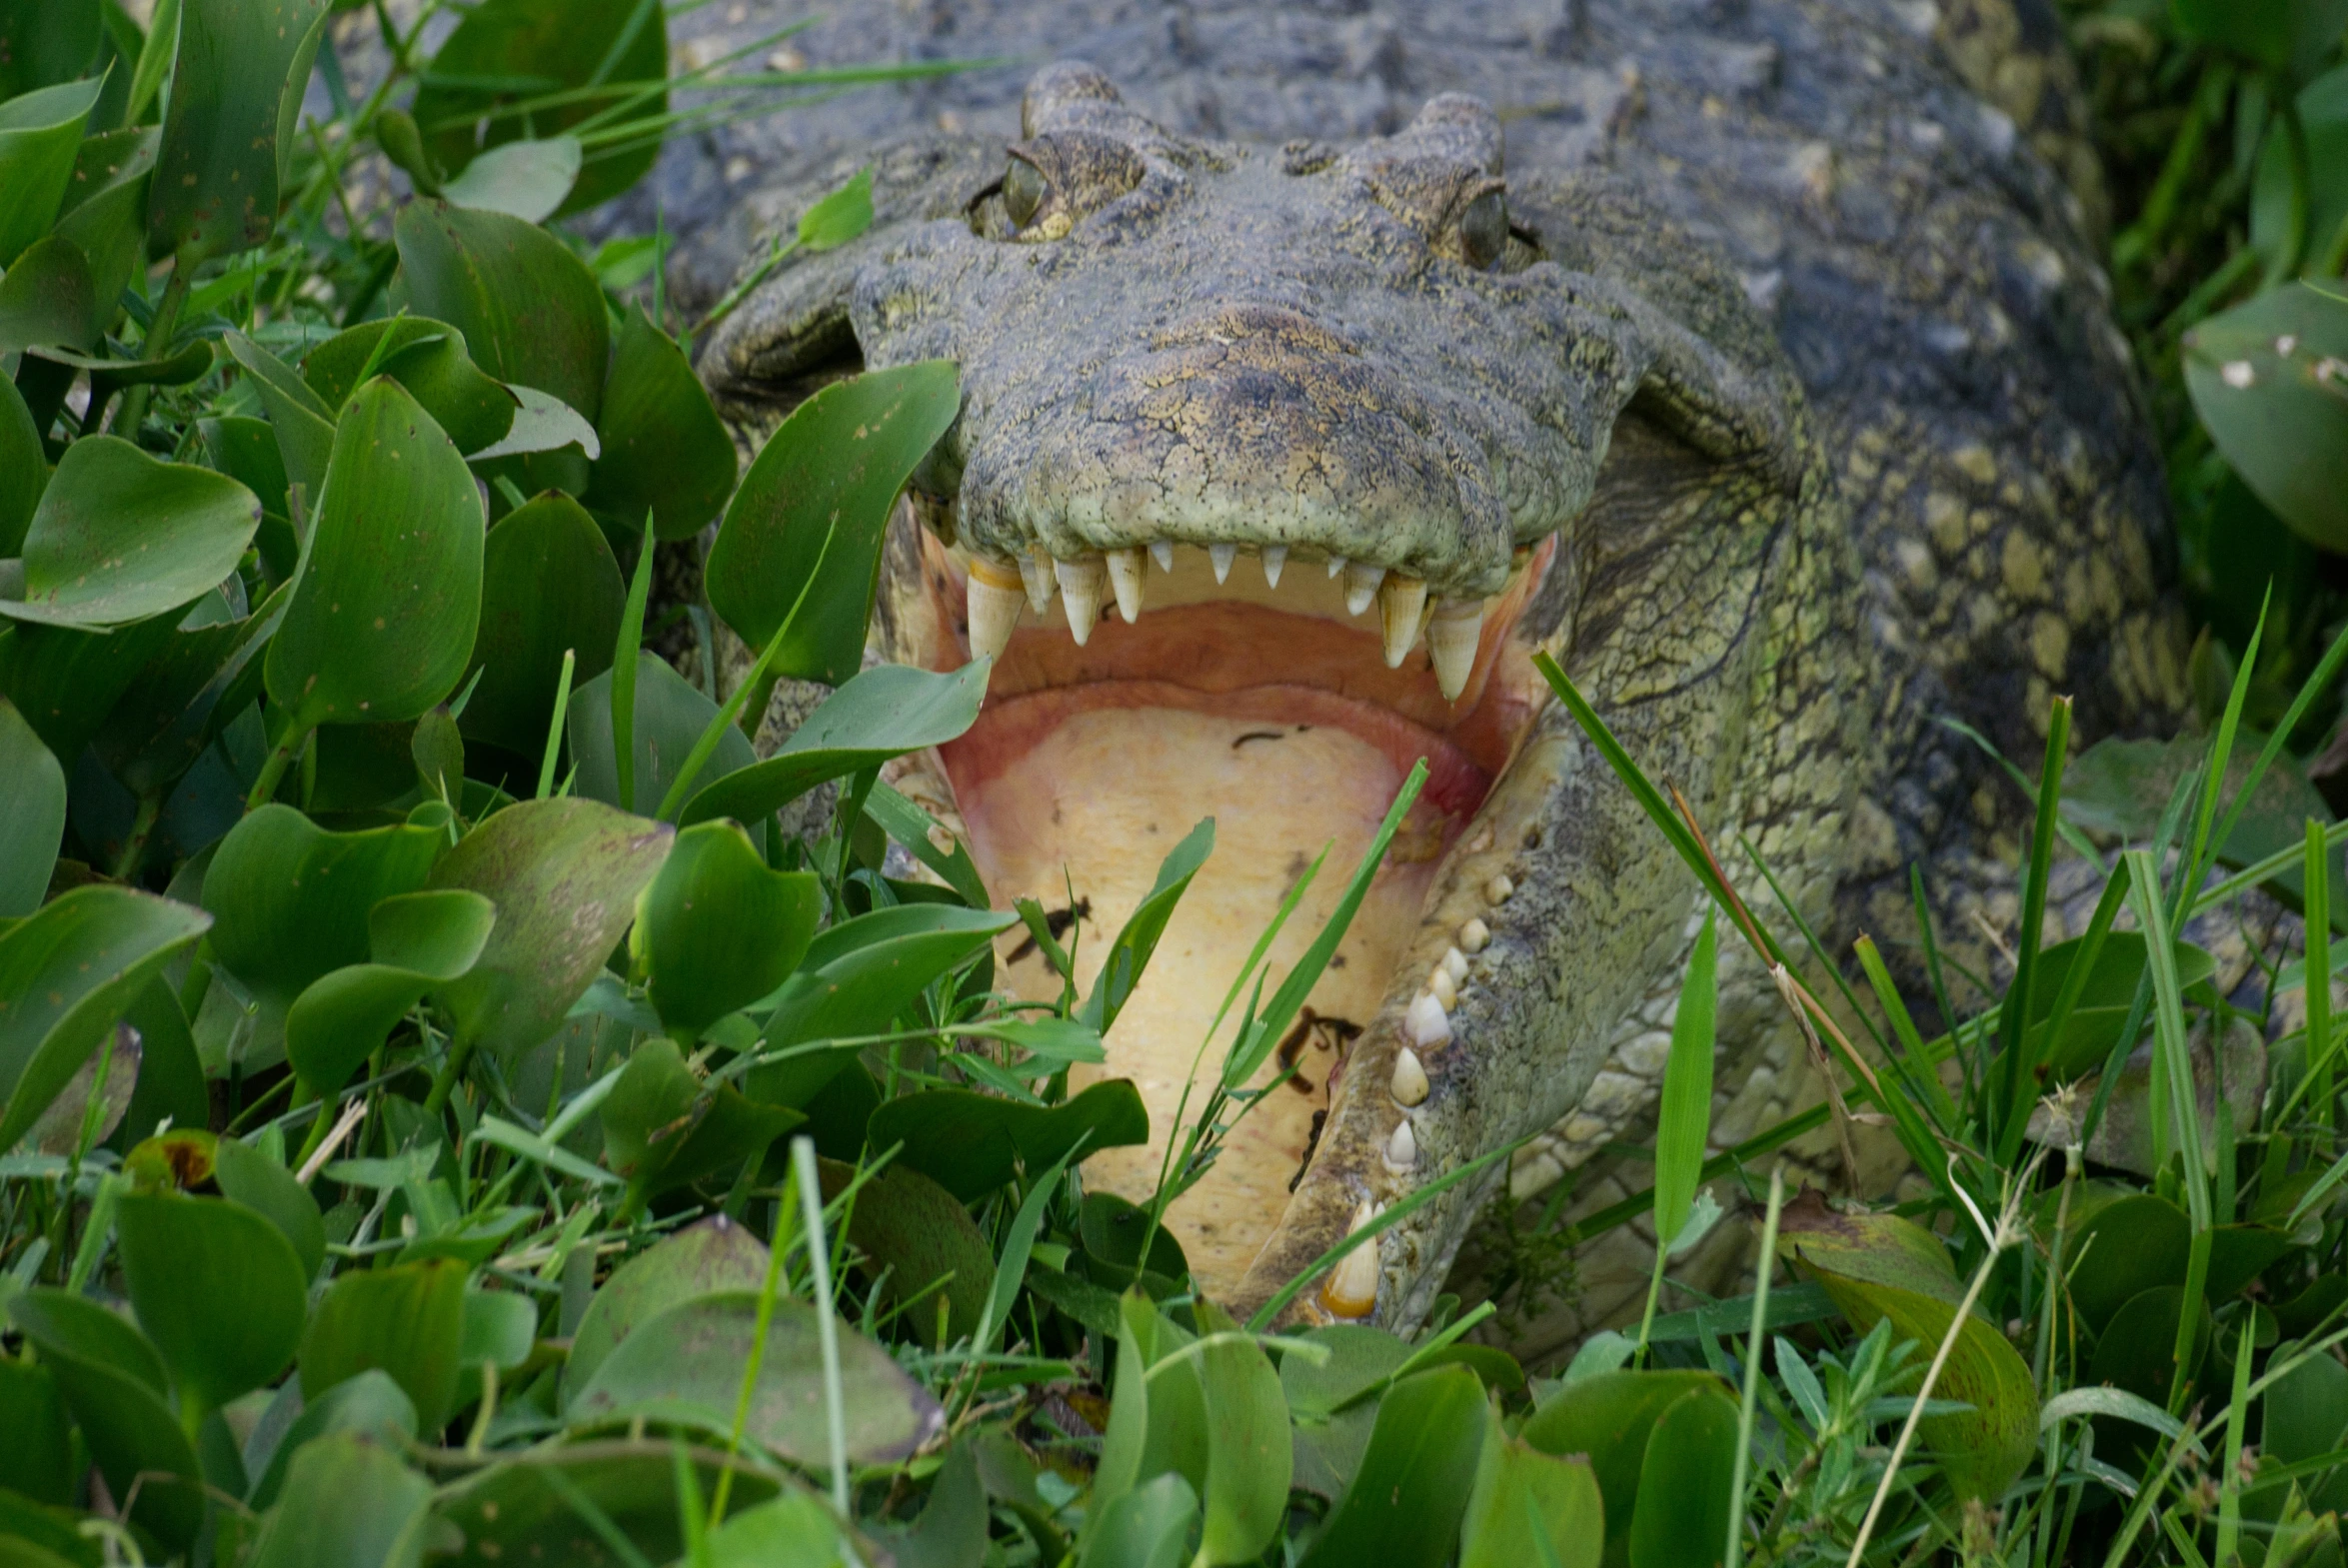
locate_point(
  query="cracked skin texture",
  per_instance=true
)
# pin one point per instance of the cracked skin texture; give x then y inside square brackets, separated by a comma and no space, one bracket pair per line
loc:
[1796,343]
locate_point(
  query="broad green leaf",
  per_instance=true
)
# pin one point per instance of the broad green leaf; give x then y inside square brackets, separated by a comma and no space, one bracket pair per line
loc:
[36,1449]
[525,180]
[2137,1350]
[43,42]
[178,705]
[49,298]
[813,510]
[1680,1519]
[86,1101]
[1685,1118]
[1113,1230]
[2105,1000]
[556,47]
[1879,1266]
[290,900]
[1130,951]
[105,212]
[1148,1527]
[1359,1359]
[2323,113]
[2274,33]
[884,712]
[2257,378]
[34,824]
[708,1255]
[564,875]
[1609,1417]
[795,1530]
[438,750]
[112,1381]
[1525,1502]
[664,1128]
[39,132]
[1407,1502]
[525,1509]
[171,1084]
[2304,1414]
[420,940]
[120,536]
[1249,1452]
[973,1144]
[531,312]
[2139,1242]
[919,1235]
[664,447]
[370,1404]
[67,972]
[262,1184]
[218,1289]
[686,1365]
[65,681]
[246,451]
[348,1502]
[304,425]
[24,468]
[719,929]
[839,217]
[406,1321]
[549,583]
[671,714]
[1157,1425]
[382,618]
[429,359]
[236,94]
[501,1329]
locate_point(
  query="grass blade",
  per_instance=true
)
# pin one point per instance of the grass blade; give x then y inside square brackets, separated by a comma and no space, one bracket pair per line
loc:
[624,672]
[1741,1483]
[2012,1108]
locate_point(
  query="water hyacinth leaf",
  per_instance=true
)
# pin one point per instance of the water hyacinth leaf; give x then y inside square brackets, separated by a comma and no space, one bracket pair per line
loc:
[525,1509]
[2257,374]
[1250,1455]
[664,1128]
[664,447]
[36,1449]
[113,1382]
[259,1183]
[43,42]
[1407,1502]
[2140,1240]
[34,824]
[718,929]
[972,1143]
[671,714]
[500,1330]
[406,1321]
[218,1289]
[713,1254]
[1680,1519]
[525,180]
[370,1405]
[548,585]
[1526,1502]
[236,93]
[1880,1266]
[304,425]
[2137,1350]
[421,940]
[2105,1001]
[120,536]
[531,312]
[429,359]
[177,706]
[884,712]
[383,617]
[67,972]
[544,423]
[1610,1416]
[1148,1527]
[2323,113]
[687,1365]
[558,47]
[48,299]
[795,1530]
[65,681]
[39,132]
[290,900]
[348,1502]
[105,211]
[564,874]
[918,1235]
[24,469]
[814,507]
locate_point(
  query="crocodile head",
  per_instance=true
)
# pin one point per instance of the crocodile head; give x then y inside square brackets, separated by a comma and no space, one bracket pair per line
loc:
[1274,468]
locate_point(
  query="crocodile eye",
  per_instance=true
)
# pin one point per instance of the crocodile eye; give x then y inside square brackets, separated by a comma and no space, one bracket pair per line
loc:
[1023,192]
[1483,229]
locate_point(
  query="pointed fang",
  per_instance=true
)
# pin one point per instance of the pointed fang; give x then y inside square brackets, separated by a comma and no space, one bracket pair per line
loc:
[1350,1290]
[1336,565]
[1454,631]
[1361,586]
[1161,551]
[1036,570]
[1125,578]
[1402,603]
[995,603]
[1081,583]
[1275,557]
[1221,556]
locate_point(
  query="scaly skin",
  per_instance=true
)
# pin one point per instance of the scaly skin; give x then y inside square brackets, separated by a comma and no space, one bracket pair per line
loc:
[1798,346]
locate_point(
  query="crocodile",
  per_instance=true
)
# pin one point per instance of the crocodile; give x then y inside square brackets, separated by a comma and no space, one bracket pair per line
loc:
[1321,364]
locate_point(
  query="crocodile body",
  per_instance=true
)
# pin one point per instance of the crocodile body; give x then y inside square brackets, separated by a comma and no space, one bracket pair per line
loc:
[1786,410]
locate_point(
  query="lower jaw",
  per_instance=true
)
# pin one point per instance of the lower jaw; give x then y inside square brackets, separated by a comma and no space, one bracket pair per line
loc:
[1071,792]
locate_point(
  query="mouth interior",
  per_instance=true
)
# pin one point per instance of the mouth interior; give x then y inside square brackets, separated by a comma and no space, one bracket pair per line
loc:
[1273,712]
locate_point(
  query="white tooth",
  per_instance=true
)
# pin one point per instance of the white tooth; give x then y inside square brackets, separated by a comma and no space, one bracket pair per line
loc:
[1221,556]
[1456,965]
[1352,1287]
[1409,1085]
[1081,583]
[1336,565]
[1454,631]
[1161,551]
[1274,558]
[1499,889]
[1428,1023]
[1443,988]
[1036,570]
[995,604]
[1474,936]
[1124,577]
[1403,1147]
[1362,585]
[1400,605]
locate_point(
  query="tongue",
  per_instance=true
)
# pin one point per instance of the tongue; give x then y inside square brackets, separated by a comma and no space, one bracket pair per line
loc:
[1094,803]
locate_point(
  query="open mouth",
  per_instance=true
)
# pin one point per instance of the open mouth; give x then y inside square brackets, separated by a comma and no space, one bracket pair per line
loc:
[1287,697]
